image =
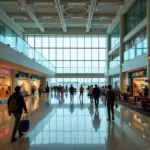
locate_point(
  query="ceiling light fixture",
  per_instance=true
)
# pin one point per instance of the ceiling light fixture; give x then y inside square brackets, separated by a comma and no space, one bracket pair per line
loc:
[96,9]
[22,9]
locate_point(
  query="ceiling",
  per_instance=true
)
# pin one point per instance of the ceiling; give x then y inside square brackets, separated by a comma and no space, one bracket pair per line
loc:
[62,16]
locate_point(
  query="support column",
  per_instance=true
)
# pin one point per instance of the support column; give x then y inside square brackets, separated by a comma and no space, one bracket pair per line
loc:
[13,81]
[43,83]
[121,49]
[107,66]
[148,43]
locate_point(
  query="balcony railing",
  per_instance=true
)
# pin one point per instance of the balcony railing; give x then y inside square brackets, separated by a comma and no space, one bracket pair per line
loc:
[115,62]
[10,38]
[135,51]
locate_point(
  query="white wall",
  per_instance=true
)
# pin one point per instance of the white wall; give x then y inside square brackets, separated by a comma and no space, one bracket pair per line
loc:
[136,63]
[9,54]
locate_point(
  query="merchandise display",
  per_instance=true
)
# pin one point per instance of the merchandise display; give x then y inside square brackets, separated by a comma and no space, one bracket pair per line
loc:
[22,83]
[5,88]
[138,86]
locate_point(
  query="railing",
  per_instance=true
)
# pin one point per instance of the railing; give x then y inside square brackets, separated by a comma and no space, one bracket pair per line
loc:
[115,62]
[135,51]
[10,38]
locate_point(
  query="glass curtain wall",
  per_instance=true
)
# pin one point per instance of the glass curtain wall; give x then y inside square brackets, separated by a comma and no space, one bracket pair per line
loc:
[72,54]
[135,15]
[115,37]
[115,82]
[136,46]
[76,82]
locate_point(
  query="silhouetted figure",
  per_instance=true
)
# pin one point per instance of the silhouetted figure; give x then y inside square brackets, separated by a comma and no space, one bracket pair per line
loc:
[81,91]
[96,95]
[71,90]
[47,90]
[110,101]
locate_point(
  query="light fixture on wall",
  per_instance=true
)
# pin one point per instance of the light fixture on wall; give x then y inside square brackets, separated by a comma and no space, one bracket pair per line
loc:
[148,57]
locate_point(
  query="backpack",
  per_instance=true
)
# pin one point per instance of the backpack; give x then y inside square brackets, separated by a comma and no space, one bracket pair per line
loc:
[13,104]
[111,96]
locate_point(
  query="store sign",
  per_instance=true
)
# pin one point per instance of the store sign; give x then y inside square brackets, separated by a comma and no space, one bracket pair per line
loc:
[4,72]
[137,74]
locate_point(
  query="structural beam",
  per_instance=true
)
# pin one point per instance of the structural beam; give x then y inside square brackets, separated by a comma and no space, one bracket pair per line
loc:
[91,12]
[61,16]
[32,15]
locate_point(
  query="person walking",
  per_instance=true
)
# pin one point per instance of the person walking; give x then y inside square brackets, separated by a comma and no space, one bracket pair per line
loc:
[16,105]
[96,95]
[71,90]
[146,91]
[81,91]
[110,102]
[40,90]
[47,90]
[90,93]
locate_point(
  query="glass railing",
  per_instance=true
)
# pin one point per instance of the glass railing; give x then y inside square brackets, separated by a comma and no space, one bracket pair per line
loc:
[115,62]
[10,38]
[135,51]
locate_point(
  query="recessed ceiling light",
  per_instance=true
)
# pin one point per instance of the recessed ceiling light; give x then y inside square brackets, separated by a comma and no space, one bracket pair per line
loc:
[25,18]
[96,9]
[22,9]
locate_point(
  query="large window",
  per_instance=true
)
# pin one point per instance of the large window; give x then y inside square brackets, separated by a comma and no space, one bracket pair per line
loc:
[135,15]
[72,54]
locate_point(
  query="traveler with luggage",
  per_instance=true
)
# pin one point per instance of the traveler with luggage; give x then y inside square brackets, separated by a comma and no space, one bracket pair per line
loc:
[16,105]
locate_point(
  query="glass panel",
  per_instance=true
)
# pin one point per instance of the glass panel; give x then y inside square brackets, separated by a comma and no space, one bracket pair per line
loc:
[80,54]
[102,42]
[88,41]
[45,41]
[59,54]
[102,54]
[74,42]
[38,41]
[95,42]
[66,54]
[52,53]
[88,54]
[45,53]
[94,54]
[67,42]
[31,40]
[59,41]
[52,41]
[73,54]
[81,42]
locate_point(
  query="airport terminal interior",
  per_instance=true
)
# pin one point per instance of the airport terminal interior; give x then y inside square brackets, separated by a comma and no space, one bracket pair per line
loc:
[59,43]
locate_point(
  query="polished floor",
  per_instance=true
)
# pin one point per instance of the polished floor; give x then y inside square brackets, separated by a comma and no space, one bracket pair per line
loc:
[58,124]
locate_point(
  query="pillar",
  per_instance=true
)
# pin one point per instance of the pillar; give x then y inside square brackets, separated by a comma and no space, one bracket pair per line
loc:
[148,43]
[121,50]
[107,65]
[43,83]
[13,81]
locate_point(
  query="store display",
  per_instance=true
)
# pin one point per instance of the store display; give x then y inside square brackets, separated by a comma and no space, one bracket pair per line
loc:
[5,89]
[138,86]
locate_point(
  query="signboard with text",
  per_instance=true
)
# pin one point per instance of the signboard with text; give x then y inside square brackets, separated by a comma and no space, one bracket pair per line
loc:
[137,74]
[4,72]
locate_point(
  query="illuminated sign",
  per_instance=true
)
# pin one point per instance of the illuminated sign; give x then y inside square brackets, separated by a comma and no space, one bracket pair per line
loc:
[4,72]
[141,73]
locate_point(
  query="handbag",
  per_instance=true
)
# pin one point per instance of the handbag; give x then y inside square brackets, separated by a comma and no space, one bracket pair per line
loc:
[24,123]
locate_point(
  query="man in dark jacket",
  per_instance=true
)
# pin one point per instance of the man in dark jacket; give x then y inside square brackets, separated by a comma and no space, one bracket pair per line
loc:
[20,105]
[110,101]
[96,95]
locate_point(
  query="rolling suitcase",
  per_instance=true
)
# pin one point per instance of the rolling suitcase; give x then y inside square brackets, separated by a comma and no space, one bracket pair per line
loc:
[24,123]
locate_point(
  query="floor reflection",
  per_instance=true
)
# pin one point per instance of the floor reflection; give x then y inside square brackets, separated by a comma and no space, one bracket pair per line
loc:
[59,123]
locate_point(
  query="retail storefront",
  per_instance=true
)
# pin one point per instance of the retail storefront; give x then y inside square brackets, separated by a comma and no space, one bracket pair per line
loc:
[22,81]
[138,83]
[35,83]
[5,83]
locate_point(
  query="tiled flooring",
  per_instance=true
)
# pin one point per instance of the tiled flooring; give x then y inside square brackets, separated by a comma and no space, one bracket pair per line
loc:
[57,124]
